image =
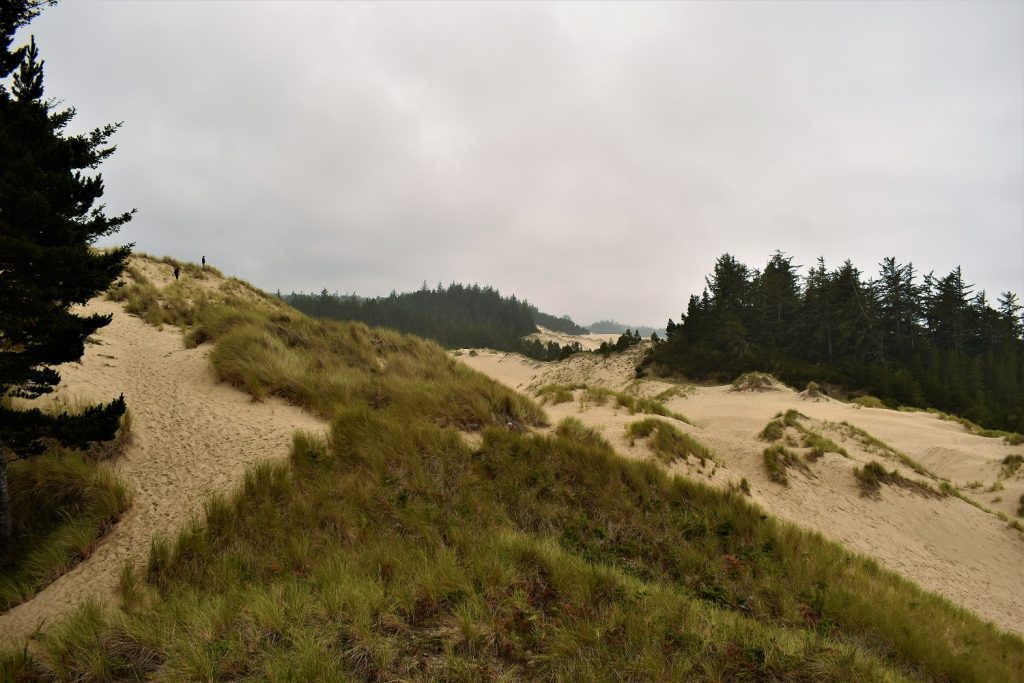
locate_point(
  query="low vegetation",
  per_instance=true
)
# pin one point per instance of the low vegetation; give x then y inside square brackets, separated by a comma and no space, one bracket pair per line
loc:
[869,402]
[755,381]
[871,476]
[555,393]
[599,396]
[668,443]
[1010,465]
[818,444]
[62,503]
[777,460]
[392,550]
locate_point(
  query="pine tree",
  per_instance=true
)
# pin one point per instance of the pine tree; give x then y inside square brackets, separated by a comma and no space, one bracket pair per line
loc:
[47,226]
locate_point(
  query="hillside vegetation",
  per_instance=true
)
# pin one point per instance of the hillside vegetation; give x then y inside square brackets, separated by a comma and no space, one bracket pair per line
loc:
[459,316]
[907,340]
[399,548]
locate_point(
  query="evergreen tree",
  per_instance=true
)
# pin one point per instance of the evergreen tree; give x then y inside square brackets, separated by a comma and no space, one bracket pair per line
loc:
[47,224]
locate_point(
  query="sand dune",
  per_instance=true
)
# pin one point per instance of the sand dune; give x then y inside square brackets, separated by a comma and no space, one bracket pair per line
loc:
[946,545]
[192,436]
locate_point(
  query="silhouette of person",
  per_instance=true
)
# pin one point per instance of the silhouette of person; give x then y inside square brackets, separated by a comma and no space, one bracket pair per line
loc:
[177,272]
[204,260]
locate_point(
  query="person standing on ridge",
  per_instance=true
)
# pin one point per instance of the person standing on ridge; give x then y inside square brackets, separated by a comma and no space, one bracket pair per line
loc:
[204,260]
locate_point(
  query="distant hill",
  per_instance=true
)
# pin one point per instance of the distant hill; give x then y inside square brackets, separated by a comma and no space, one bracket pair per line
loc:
[615,327]
[563,324]
[457,316]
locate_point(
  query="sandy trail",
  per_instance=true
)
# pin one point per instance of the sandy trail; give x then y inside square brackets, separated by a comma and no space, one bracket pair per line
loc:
[192,436]
[944,545]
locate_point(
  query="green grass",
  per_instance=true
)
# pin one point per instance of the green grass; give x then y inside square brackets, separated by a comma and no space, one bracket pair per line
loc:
[61,504]
[535,557]
[871,476]
[778,459]
[555,393]
[392,550]
[668,443]
[599,396]
[820,445]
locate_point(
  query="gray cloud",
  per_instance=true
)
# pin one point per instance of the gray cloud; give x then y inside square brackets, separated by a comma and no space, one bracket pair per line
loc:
[593,158]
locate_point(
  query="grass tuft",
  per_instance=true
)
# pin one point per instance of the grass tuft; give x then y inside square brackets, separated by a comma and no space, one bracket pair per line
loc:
[668,443]
[777,459]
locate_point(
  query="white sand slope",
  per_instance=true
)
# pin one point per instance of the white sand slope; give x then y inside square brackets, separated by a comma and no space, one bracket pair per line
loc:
[944,544]
[192,436]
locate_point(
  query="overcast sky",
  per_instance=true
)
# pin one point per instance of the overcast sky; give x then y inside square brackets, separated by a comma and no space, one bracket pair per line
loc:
[592,158]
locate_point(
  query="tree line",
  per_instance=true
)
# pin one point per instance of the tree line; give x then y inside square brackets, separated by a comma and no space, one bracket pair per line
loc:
[457,316]
[907,338]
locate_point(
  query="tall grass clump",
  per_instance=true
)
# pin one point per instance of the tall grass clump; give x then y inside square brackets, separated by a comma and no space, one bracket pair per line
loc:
[871,476]
[668,443]
[1010,465]
[778,459]
[555,393]
[61,504]
[820,445]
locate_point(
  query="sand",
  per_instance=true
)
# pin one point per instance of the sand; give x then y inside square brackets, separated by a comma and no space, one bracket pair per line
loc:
[192,436]
[945,545]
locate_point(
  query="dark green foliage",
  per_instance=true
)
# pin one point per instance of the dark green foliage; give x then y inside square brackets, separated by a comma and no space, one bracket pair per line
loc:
[906,340]
[48,223]
[563,324]
[627,339]
[61,505]
[552,351]
[458,316]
